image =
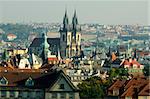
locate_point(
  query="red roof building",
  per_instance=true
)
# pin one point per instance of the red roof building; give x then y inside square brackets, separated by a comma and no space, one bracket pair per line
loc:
[11,36]
[133,66]
[132,89]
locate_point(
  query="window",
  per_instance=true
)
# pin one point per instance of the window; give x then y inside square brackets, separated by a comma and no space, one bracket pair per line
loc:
[62,96]
[63,37]
[61,86]
[128,97]
[73,52]
[25,94]
[78,38]
[39,94]
[115,92]
[71,96]
[3,93]
[26,65]
[12,93]
[145,97]
[29,82]
[3,81]
[33,94]
[54,95]
[20,94]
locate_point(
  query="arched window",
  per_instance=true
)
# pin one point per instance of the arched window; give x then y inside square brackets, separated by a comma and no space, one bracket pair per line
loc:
[29,82]
[63,37]
[78,37]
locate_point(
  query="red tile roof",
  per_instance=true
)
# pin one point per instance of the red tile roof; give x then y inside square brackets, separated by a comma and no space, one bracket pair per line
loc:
[145,91]
[131,63]
[117,84]
[136,81]
[134,86]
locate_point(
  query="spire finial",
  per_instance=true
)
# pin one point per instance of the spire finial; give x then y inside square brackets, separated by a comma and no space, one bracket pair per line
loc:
[65,20]
[74,19]
[65,12]
[75,15]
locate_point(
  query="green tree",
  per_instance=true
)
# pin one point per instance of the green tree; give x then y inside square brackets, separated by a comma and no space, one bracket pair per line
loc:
[91,88]
[118,73]
[146,70]
[123,72]
[5,55]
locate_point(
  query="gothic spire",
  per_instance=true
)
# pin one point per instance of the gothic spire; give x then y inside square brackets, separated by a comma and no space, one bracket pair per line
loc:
[74,20]
[65,20]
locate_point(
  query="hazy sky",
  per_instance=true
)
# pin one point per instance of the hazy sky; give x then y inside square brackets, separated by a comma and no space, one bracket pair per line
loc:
[88,11]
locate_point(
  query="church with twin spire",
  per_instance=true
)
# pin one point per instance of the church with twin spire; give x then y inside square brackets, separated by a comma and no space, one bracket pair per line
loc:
[68,45]
[70,37]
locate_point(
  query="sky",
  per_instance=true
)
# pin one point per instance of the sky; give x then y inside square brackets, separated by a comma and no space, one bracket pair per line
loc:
[88,11]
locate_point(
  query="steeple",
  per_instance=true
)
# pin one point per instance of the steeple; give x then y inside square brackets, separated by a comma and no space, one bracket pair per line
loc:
[65,20]
[45,46]
[74,20]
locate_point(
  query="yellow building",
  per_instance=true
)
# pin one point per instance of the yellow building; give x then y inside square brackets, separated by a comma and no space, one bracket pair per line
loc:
[14,52]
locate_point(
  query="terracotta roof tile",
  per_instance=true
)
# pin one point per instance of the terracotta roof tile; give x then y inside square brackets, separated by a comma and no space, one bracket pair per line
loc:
[117,84]
[134,86]
[145,91]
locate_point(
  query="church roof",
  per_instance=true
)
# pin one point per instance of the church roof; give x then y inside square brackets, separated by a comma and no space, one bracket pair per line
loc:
[38,41]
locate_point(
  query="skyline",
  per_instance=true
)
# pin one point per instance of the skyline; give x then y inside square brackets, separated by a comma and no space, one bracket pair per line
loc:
[102,12]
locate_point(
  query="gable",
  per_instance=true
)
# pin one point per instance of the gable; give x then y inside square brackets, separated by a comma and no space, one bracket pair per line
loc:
[61,85]
[3,81]
[24,63]
[29,82]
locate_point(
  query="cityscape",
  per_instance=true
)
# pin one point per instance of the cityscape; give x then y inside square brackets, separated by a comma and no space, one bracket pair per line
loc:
[74,58]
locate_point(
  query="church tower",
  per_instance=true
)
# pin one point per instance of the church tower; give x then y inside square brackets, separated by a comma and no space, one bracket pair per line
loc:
[70,37]
[63,35]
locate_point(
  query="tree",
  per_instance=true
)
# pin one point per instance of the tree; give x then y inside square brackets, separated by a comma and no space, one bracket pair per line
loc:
[5,55]
[91,88]
[123,72]
[146,70]
[114,72]
[118,73]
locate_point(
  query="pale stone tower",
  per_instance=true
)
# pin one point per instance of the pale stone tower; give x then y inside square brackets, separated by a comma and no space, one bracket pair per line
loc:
[70,37]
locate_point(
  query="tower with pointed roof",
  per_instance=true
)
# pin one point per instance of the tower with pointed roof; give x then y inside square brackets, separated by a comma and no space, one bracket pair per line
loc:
[63,35]
[70,37]
[45,46]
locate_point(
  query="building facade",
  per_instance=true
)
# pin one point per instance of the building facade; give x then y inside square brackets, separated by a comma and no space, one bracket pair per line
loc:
[37,85]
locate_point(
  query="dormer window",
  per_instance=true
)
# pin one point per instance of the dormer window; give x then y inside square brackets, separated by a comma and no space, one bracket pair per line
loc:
[61,86]
[3,81]
[29,82]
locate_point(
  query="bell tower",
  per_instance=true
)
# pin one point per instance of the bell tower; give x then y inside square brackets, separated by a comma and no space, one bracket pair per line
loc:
[76,37]
[63,35]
